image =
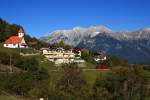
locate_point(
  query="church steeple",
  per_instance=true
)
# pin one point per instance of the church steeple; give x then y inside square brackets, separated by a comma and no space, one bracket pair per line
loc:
[21,33]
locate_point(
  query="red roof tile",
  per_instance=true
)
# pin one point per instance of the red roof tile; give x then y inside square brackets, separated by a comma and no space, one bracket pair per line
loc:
[13,40]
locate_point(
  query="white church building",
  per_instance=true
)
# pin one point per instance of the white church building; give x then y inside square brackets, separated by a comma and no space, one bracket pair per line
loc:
[16,41]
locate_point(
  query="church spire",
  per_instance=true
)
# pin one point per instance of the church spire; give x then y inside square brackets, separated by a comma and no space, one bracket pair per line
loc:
[21,33]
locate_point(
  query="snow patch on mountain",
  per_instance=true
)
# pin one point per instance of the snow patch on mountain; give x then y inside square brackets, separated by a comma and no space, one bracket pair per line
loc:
[75,35]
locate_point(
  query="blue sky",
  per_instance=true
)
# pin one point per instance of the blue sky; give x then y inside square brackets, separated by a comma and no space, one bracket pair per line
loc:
[39,17]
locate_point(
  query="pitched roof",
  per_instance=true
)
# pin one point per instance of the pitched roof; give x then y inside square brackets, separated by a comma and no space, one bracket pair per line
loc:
[13,40]
[21,30]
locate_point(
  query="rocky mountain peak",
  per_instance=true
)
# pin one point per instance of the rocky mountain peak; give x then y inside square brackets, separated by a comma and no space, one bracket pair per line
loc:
[76,35]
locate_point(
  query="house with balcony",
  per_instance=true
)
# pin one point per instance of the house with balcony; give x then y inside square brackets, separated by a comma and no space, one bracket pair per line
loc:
[100,57]
[60,55]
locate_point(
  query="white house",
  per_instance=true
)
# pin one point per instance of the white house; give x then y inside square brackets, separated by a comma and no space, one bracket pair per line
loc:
[100,57]
[16,41]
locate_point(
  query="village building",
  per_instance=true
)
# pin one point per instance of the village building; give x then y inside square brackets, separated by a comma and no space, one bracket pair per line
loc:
[100,60]
[100,57]
[60,55]
[16,41]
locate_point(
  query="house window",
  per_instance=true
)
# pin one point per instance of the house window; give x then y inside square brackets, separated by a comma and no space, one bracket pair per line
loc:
[6,44]
[14,44]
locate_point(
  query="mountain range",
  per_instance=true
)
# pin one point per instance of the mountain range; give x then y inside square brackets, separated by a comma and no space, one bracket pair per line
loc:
[133,46]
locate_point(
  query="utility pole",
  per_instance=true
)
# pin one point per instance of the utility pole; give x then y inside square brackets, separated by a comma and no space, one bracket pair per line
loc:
[10,63]
[19,50]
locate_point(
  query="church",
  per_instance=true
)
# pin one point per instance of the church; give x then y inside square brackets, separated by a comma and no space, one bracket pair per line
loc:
[16,41]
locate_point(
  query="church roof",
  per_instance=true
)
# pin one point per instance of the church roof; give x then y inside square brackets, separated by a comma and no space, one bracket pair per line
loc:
[13,40]
[21,30]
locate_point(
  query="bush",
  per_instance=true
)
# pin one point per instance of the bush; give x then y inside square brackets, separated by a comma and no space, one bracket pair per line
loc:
[27,63]
[114,61]
[72,84]
[19,83]
[41,88]
[34,84]
[85,54]
[122,84]
[4,58]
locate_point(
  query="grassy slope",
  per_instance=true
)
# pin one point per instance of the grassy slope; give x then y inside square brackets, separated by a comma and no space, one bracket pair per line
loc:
[3,97]
[90,75]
